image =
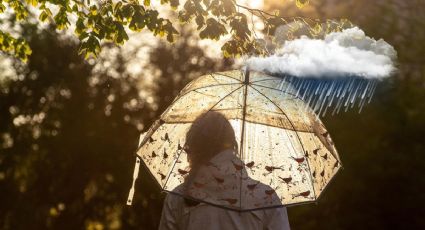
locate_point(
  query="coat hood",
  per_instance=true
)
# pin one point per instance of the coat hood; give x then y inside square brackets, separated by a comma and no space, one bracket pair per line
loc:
[224,182]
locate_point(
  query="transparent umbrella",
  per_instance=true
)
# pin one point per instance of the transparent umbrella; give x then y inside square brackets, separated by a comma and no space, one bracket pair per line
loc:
[283,146]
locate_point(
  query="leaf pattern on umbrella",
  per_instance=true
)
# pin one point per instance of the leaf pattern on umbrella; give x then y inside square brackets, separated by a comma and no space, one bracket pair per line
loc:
[162,176]
[287,180]
[182,172]
[303,194]
[299,160]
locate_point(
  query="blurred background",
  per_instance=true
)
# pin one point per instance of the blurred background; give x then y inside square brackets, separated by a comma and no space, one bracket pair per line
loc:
[69,127]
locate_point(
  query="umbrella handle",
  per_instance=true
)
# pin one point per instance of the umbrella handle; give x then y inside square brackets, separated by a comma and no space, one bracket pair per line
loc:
[135,175]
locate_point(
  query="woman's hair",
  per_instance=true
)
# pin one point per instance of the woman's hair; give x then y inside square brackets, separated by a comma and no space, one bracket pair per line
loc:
[209,134]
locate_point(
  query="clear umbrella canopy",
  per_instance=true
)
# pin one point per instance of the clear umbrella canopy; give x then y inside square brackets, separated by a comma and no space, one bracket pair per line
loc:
[285,154]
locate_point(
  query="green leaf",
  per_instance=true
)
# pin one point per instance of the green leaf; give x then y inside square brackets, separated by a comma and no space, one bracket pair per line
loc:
[127,11]
[75,8]
[147,2]
[61,19]
[184,17]
[301,3]
[200,21]
[117,6]
[83,36]
[214,30]
[33,2]
[43,16]
[90,47]
[79,26]
[239,25]
[48,12]
[137,22]
[93,10]
[120,34]
[229,49]
[171,31]
[2,8]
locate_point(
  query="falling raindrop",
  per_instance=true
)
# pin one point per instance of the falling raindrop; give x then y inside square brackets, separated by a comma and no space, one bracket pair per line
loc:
[322,94]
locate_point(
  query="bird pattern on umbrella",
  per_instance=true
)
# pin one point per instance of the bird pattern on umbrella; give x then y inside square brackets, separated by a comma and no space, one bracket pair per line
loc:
[287,156]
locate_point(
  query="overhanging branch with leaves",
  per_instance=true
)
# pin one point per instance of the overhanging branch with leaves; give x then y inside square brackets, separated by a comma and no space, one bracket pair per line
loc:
[109,20]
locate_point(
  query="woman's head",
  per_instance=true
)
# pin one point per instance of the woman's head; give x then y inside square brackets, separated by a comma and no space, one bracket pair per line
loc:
[209,134]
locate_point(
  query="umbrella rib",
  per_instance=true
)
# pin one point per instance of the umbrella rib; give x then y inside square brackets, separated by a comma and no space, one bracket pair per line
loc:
[219,82]
[203,87]
[296,133]
[222,83]
[223,98]
[214,79]
[246,76]
[240,81]
[194,90]
[275,79]
[172,168]
[281,91]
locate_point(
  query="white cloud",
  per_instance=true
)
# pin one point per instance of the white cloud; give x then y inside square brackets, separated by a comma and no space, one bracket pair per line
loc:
[346,53]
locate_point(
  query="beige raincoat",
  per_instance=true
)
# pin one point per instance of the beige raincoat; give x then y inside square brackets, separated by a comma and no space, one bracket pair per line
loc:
[177,215]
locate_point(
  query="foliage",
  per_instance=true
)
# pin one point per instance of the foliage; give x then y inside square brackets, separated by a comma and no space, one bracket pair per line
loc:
[108,20]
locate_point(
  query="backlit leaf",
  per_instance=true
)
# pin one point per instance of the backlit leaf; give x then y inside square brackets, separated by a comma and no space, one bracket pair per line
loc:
[301,3]
[43,16]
